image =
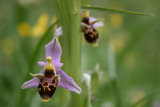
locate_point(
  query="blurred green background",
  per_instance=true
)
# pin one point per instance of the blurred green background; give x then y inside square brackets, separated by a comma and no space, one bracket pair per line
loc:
[136,42]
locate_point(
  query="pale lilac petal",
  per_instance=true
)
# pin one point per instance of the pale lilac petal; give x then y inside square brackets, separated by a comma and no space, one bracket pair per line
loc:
[42,64]
[67,82]
[33,83]
[58,31]
[56,65]
[53,49]
[97,24]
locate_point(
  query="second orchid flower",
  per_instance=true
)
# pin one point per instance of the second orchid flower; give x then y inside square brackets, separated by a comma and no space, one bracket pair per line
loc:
[88,27]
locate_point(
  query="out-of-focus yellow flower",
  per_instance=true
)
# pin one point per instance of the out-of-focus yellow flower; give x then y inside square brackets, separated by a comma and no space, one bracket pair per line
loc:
[116,20]
[136,96]
[119,43]
[129,60]
[41,26]
[24,29]
[7,46]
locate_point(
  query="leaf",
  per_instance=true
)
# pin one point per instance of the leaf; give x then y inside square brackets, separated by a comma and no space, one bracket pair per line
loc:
[114,10]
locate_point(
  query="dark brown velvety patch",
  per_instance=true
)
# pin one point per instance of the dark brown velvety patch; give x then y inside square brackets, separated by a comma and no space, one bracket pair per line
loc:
[45,84]
[53,81]
[49,73]
[85,20]
[91,36]
[46,92]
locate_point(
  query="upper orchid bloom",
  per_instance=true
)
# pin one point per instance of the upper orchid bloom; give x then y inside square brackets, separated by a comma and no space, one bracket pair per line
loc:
[51,75]
[89,30]
[88,27]
[96,23]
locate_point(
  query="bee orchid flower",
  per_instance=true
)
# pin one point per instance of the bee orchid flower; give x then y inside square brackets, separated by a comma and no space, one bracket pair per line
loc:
[89,27]
[51,75]
[96,23]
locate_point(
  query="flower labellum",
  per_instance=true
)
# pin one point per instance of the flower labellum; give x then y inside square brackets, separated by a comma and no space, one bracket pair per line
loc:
[51,76]
[48,82]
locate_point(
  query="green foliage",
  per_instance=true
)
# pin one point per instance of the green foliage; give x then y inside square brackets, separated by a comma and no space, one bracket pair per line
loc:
[130,68]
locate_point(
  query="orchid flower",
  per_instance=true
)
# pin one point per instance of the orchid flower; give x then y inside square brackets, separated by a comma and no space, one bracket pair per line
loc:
[88,29]
[96,23]
[51,75]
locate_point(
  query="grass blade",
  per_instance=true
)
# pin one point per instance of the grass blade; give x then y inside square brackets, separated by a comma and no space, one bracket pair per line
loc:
[114,10]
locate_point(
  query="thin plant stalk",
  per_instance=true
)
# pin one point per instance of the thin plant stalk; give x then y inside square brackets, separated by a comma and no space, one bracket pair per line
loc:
[112,73]
[69,11]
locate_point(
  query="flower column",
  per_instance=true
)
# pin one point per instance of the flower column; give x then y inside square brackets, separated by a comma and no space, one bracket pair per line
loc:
[69,14]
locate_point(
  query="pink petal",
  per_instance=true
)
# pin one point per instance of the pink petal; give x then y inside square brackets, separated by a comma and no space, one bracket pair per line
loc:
[67,82]
[58,31]
[42,64]
[53,49]
[98,24]
[33,83]
[56,65]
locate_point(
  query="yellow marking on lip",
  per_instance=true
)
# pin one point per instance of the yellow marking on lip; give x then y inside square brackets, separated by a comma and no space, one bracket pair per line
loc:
[45,100]
[49,89]
[92,36]
[44,88]
[95,44]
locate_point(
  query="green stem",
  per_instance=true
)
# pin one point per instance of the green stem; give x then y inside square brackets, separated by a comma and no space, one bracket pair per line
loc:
[112,73]
[70,19]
